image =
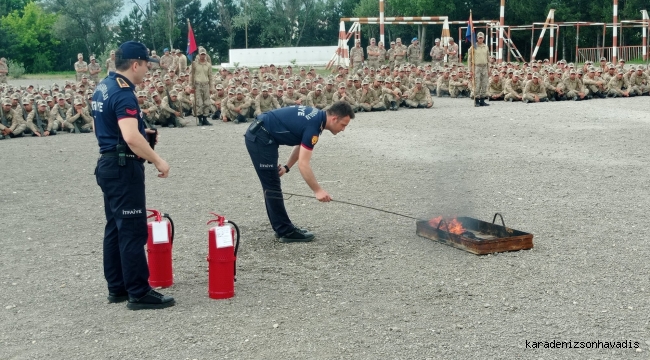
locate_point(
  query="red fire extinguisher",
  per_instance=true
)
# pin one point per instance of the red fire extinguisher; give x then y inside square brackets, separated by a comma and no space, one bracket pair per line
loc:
[223,243]
[159,249]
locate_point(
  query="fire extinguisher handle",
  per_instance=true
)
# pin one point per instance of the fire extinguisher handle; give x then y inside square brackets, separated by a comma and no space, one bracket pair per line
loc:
[171,222]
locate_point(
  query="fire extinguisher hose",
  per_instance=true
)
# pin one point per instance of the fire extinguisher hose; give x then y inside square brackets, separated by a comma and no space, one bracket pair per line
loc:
[236,244]
[172,224]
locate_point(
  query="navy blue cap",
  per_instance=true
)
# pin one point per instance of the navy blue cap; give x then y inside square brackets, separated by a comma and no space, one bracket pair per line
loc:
[136,50]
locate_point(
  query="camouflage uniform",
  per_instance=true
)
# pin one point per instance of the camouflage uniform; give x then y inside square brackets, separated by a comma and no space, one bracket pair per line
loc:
[419,96]
[414,53]
[11,123]
[82,120]
[81,68]
[95,68]
[533,90]
[437,54]
[356,57]
[265,103]
[4,69]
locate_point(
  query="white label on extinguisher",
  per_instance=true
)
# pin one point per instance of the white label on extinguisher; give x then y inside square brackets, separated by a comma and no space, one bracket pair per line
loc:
[223,236]
[159,232]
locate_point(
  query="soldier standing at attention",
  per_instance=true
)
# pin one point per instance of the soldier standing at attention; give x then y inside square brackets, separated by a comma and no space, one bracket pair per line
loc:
[390,53]
[154,65]
[437,54]
[414,53]
[400,52]
[452,52]
[81,67]
[373,54]
[110,63]
[4,69]
[166,61]
[356,56]
[201,82]
[299,127]
[479,60]
[382,54]
[123,147]
[93,69]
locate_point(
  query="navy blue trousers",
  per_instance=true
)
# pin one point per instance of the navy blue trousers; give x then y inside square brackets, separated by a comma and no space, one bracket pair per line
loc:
[263,151]
[125,235]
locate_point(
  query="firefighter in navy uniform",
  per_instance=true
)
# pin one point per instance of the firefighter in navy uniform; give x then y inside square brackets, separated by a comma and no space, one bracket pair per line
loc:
[300,127]
[121,132]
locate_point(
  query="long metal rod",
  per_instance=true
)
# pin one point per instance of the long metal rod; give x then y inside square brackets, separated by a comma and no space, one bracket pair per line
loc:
[266,194]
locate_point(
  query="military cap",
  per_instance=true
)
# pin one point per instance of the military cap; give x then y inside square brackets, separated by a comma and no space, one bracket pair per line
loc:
[572,72]
[592,69]
[302,68]
[397,79]
[437,40]
[388,79]
[399,40]
[620,72]
[48,99]
[640,67]
[535,76]
[355,78]
[68,96]
[38,97]
[379,78]
[570,65]
[279,88]
[357,41]
[265,88]
[495,73]
[202,51]
[182,74]
[255,86]
[579,71]
[166,77]
[178,51]
[77,101]
[80,55]
[453,73]
[329,82]
[159,84]
[155,94]
[173,93]
[178,87]
[558,71]
[84,76]
[142,94]
[342,85]
[319,87]
[480,35]
[289,86]
[39,103]
[392,43]
[6,101]
[365,82]
[219,87]
[231,91]
[418,81]
[239,91]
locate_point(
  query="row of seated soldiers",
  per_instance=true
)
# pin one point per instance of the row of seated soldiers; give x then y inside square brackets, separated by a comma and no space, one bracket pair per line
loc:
[538,82]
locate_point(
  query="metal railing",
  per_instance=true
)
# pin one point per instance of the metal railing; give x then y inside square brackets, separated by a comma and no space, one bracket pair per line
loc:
[626,53]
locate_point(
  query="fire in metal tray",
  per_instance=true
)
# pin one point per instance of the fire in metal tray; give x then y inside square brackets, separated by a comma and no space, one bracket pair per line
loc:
[451,225]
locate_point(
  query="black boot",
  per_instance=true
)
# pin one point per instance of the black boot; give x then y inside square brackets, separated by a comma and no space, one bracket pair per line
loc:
[476,102]
[483,103]
[205,121]
[393,105]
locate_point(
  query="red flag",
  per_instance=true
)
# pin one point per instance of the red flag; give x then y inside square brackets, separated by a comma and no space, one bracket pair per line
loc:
[191,43]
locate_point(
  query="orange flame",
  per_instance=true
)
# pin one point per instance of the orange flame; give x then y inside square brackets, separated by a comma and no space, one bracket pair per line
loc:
[455,227]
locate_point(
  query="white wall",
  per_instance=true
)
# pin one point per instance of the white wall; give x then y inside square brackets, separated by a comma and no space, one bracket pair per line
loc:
[313,55]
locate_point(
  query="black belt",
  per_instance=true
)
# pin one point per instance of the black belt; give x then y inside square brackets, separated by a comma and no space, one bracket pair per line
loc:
[114,154]
[257,126]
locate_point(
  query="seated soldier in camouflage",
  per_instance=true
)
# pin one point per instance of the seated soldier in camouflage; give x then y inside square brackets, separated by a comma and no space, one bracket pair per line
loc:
[279,95]
[170,111]
[618,86]
[495,87]
[419,96]
[149,110]
[639,82]
[514,90]
[535,91]
[594,85]
[574,88]
[554,85]
[392,96]
[216,100]
[77,119]
[58,113]
[368,99]
[39,121]
[11,123]
[342,95]
[291,97]
[187,100]
[316,98]
[442,85]
[458,87]
[265,102]
[240,107]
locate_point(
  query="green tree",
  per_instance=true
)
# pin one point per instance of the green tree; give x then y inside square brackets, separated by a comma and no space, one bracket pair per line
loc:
[30,31]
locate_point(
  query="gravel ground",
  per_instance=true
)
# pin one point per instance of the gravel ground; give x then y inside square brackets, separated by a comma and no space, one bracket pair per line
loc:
[573,173]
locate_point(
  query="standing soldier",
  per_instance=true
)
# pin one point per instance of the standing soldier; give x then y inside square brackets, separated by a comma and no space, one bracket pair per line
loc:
[154,65]
[400,52]
[93,69]
[452,52]
[373,54]
[166,61]
[110,63]
[4,69]
[414,53]
[356,56]
[81,67]
[201,81]
[479,62]
[437,54]
[11,124]
[181,61]
[391,55]
[382,54]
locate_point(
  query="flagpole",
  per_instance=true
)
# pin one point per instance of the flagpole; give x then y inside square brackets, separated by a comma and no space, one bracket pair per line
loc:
[471,44]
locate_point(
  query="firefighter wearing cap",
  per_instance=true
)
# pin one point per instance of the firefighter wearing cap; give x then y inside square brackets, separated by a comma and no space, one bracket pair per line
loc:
[240,107]
[4,70]
[479,62]
[535,91]
[201,80]
[437,54]
[79,116]
[265,102]
[40,116]
[373,54]
[400,52]
[419,96]
[618,86]
[94,69]
[110,63]
[356,56]
[11,123]
[80,67]
[367,99]
[120,133]
[414,53]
